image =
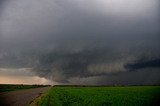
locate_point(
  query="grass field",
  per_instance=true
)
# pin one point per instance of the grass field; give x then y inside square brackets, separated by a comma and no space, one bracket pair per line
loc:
[13,87]
[101,96]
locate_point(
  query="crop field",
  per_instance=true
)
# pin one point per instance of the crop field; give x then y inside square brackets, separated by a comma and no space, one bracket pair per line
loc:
[101,96]
[13,87]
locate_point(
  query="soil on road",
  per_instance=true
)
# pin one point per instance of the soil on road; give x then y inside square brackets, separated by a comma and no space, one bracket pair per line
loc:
[21,97]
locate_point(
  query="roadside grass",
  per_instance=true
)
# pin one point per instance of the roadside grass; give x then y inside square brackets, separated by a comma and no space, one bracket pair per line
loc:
[37,100]
[101,96]
[13,87]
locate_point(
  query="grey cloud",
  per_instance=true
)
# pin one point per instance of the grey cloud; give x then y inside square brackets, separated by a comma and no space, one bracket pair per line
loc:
[143,64]
[16,72]
[62,39]
[139,77]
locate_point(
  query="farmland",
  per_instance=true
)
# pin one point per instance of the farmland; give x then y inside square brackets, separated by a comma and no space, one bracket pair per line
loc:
[14,87]
[101,96]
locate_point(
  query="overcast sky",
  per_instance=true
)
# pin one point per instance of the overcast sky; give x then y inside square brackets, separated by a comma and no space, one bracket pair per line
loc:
[107,42]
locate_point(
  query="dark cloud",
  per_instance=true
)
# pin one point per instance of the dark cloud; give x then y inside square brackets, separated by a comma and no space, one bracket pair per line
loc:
[139,77]
[143,64]
[65,40]
[2,3]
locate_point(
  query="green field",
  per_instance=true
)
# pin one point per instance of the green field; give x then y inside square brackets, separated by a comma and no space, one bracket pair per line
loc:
[13,87]
[101,96]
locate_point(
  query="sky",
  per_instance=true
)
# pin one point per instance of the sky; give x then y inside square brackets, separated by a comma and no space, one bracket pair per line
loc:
[92,42]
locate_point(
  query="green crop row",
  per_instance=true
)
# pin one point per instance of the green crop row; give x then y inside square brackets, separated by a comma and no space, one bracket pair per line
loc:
[102,96]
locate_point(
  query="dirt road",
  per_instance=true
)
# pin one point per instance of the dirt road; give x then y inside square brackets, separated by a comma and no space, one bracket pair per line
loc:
[21,97]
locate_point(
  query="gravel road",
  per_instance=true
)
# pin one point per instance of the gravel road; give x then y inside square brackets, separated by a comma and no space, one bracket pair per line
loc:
[21,97]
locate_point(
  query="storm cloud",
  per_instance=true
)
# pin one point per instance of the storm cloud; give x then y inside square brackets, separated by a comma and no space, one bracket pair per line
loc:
[144,64]
[82,41]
